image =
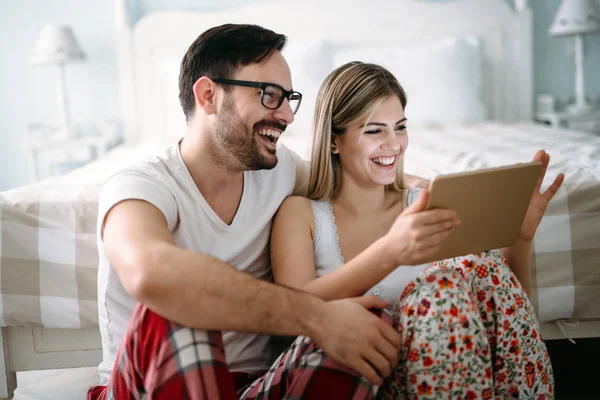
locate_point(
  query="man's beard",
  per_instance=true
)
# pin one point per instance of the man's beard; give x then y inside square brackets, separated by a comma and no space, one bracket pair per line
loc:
[235,146]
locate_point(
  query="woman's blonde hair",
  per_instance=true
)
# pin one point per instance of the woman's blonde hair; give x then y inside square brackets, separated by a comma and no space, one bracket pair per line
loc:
[350,93]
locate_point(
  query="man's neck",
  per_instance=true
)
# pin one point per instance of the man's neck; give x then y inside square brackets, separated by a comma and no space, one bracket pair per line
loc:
[210,176]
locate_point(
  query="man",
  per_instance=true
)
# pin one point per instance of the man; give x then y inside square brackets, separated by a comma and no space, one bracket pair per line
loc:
[185,235]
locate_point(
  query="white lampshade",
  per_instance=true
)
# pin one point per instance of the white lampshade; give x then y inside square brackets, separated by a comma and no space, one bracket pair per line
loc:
[576,16]
[57,45]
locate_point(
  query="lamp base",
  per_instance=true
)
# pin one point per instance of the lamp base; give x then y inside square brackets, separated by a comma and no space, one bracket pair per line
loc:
[577,108]
[61,133]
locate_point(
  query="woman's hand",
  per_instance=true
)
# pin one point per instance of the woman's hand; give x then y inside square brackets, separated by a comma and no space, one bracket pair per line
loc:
[539,201]
[417,235]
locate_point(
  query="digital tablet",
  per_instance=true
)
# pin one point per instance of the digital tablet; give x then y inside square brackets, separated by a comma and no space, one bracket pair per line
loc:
[490,203]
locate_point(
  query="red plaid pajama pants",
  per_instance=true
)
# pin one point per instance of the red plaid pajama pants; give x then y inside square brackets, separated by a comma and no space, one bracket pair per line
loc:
[468,331]
[160,359]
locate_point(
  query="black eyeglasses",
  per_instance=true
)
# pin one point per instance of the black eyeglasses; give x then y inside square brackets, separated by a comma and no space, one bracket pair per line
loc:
[271,95]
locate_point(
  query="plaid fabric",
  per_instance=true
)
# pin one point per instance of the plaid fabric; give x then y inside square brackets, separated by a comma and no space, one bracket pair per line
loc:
[163,360]
[48,256]
[48,251]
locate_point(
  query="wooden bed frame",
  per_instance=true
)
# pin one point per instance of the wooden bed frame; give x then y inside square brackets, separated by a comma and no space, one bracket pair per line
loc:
[509,62]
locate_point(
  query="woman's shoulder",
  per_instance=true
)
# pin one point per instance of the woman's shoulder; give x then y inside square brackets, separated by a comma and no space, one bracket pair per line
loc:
[295,206]
[295,202]
[296,211]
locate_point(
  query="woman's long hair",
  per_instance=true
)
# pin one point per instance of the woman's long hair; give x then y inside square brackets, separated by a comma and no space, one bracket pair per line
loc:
[350,93]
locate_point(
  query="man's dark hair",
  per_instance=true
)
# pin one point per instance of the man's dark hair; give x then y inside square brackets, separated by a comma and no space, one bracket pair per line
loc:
[219,52]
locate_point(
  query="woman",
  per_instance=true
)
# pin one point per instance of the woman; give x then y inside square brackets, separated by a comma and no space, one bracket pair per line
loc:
[468,327]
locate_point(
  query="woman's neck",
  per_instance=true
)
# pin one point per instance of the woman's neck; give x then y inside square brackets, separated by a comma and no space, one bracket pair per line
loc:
[360,200]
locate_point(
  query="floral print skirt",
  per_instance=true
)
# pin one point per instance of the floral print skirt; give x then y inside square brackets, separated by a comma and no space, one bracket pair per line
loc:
[469,332]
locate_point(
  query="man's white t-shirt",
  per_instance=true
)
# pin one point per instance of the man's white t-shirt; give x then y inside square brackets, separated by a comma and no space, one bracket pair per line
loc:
[165,182]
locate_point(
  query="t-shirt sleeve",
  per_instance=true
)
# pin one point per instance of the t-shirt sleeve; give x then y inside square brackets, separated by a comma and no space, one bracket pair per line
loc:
[134,185]
[302,175]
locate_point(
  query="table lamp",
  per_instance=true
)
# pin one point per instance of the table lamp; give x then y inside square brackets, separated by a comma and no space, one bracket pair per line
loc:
[576,17]
[58,46]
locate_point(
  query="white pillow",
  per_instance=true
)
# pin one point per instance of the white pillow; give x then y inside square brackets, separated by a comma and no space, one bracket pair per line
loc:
[310,60]
[443,81]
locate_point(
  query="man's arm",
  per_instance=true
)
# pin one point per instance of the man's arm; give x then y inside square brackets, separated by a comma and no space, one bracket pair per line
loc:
[192,288]
[202,292]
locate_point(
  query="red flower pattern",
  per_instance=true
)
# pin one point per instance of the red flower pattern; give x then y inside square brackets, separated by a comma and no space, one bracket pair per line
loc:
[454,311]
[414,355]
[482,272]
[517,361]
[519,301]
[423,307]
[468,342]
[424,389]
[481,296]
[445,283]
[487,394]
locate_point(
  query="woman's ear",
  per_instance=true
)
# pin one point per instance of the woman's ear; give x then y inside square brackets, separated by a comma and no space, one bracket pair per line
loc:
[334,147]
[205,95]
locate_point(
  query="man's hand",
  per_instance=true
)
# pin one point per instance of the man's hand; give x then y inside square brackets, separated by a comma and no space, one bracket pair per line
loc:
[417,235]
[413,181]
[539,201]
[356,338]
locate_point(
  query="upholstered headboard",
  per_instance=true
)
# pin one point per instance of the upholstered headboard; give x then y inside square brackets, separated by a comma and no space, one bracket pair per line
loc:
[150,51]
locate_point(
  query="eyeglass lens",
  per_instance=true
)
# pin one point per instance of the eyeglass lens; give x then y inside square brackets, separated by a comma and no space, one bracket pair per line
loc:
[272,98]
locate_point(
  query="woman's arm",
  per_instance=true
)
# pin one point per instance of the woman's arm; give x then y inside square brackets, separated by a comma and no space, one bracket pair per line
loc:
[414,236]
[292,257]
[518,257]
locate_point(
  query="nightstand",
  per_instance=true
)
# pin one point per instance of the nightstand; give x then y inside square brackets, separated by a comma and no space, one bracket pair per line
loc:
[56,156]
[588,121]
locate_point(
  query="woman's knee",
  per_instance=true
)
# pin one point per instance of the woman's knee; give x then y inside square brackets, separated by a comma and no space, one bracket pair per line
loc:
[483,270]
[435,279]
[435,291]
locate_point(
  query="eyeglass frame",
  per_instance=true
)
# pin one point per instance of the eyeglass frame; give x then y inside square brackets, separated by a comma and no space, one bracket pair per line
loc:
[262,86]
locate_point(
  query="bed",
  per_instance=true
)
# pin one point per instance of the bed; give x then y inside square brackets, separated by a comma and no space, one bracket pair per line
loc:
[467,68]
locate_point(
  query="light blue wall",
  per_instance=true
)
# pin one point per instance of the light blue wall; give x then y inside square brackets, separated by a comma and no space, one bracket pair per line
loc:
[27,92]
[554,64]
